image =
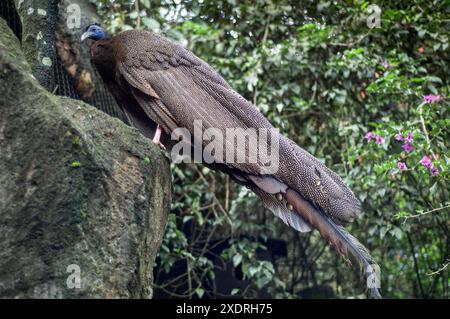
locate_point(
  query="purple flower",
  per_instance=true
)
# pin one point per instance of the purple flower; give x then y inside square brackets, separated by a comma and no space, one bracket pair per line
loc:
[379,139]
[401,166]
[426,162]
[431,98]
[407,147]
[386,65]
[410,137]
[399,137]
[369,136]
[434,171]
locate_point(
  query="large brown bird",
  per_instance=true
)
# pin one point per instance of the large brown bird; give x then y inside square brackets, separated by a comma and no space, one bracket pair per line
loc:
[162,86]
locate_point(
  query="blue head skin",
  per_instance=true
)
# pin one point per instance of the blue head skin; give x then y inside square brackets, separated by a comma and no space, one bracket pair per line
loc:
[95,32]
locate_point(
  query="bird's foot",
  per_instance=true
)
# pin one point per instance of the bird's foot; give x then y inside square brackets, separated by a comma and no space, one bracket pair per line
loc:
[161,145]
[157,137]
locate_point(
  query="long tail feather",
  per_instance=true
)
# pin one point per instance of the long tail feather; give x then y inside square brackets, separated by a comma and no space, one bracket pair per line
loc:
[346,245]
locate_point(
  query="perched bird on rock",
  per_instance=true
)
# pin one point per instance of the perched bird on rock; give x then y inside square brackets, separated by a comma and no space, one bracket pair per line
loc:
[162,87]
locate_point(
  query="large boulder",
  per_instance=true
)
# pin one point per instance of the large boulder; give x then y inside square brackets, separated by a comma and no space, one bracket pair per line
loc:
[83,197]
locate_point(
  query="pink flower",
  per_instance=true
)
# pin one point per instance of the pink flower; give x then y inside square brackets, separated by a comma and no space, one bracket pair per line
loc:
[401,166]
[410,137]
[379,139]
[369,136]
[434,171]
[426,162]
[399,137]
[407,147]
[431,98]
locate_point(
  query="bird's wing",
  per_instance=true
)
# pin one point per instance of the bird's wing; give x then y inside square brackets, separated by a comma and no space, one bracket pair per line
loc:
[175,88]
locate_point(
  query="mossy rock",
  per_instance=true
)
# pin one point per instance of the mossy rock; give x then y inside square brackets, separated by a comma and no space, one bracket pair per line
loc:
[77,187]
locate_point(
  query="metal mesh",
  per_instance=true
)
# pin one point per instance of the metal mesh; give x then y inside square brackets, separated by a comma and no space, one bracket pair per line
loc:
[101,98]
[9,14]
[64,82]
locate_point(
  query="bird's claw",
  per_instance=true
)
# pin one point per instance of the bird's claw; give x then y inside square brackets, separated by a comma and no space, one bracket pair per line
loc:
[157,137]
[161,145]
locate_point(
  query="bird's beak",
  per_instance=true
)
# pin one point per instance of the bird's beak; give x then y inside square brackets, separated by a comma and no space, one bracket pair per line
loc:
[85,35]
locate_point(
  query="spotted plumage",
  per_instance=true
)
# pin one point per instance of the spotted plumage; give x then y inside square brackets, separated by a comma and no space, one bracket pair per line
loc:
[159,82]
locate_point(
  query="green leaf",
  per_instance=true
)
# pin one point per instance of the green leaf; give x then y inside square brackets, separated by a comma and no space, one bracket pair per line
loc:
[187,218]
[133,15]
[150,23]
[434,79]
[237,259]
[200,292]
[235,291]
[433,189]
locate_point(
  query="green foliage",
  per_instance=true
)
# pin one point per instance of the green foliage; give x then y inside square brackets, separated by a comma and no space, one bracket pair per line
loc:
[321,75]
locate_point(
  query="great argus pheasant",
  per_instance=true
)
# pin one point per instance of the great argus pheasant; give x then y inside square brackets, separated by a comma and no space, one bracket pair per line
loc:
[161,86]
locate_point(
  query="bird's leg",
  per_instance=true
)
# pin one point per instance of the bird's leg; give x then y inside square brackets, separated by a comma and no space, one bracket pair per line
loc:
[157,137]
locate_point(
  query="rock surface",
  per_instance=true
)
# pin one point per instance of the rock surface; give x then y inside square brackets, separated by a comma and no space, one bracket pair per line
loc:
[83,197]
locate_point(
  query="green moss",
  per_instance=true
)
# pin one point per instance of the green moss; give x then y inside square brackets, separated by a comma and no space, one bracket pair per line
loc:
[76,141]
[75,164]
[83,214]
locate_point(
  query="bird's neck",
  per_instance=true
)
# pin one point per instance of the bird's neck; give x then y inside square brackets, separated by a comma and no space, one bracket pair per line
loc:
[102,55]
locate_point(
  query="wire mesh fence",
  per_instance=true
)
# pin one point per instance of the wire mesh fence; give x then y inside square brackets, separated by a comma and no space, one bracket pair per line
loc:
[101,98]
[9,14]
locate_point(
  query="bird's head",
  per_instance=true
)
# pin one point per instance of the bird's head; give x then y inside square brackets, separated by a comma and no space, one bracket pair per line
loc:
[95,32]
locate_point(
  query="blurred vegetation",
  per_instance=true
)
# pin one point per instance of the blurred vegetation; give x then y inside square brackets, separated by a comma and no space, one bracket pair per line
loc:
[325,78]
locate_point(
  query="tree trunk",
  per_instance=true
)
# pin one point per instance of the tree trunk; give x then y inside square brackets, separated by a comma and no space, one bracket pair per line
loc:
[38,19]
